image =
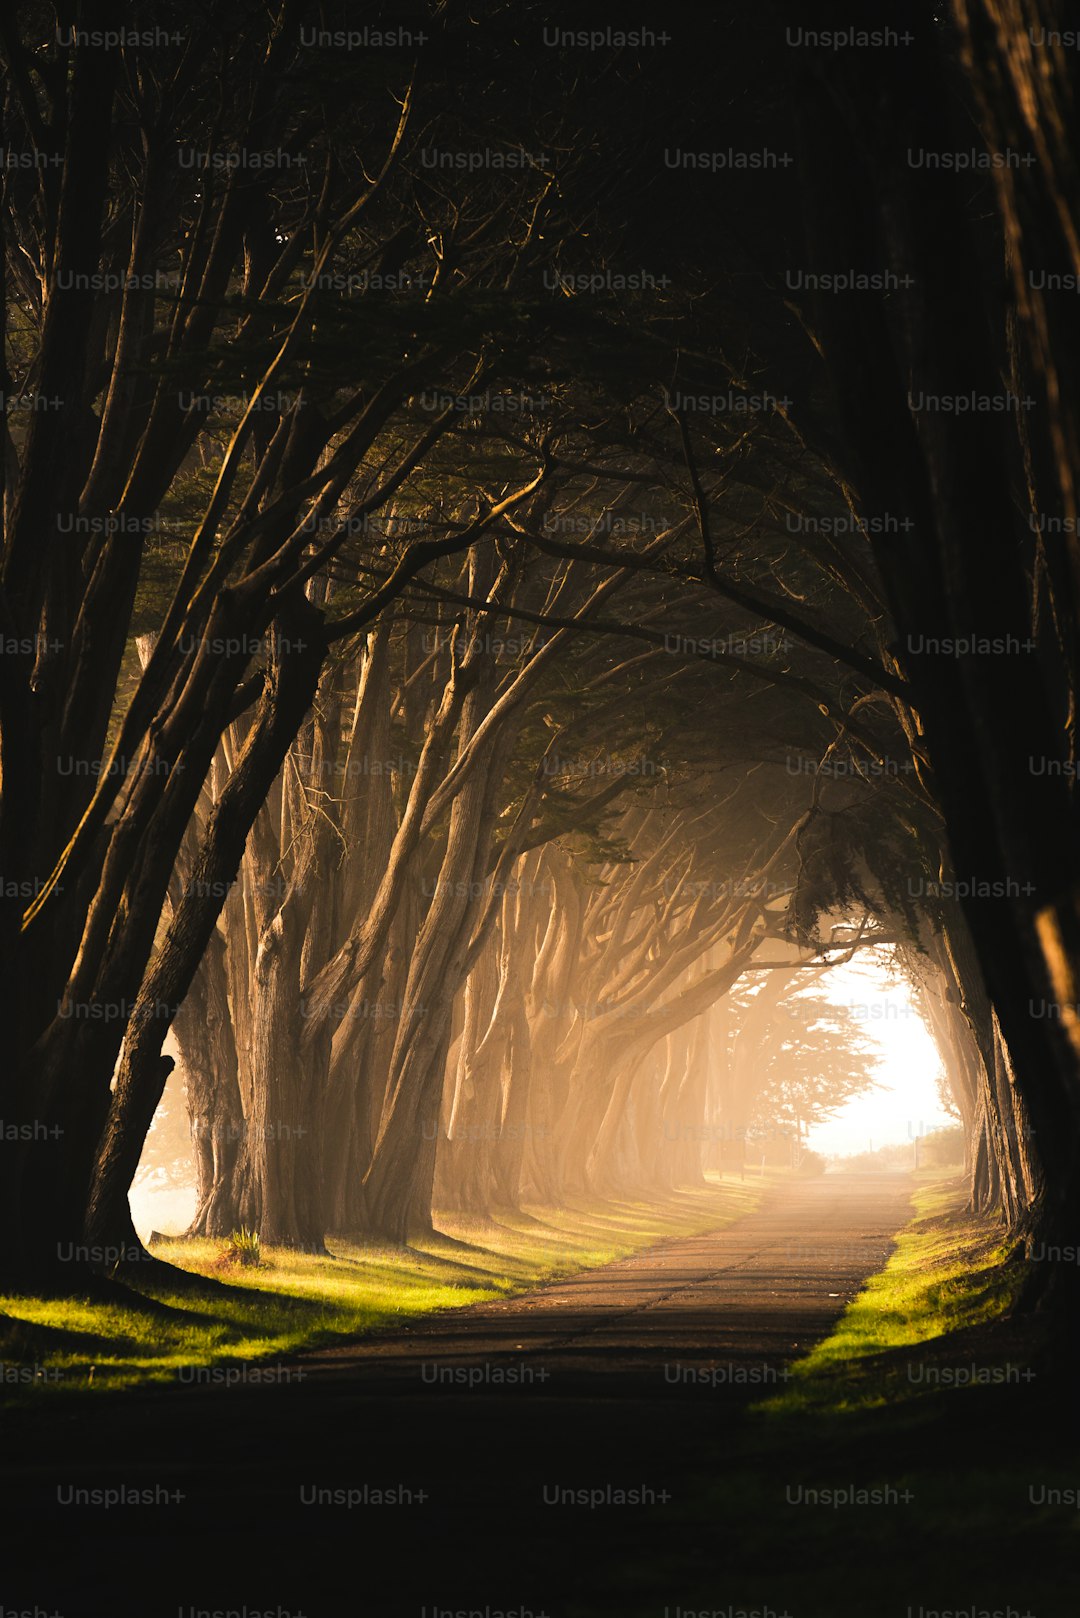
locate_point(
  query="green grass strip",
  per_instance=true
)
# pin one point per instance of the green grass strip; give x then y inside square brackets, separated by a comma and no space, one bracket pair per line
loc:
[295,1300]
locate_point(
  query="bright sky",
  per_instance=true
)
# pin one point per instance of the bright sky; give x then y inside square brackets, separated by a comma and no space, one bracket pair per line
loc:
[907,1104]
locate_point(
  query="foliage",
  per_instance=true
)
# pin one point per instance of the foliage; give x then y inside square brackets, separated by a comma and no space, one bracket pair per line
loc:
[244,1248]
[943,1148]
[811,1164]
[810,1061]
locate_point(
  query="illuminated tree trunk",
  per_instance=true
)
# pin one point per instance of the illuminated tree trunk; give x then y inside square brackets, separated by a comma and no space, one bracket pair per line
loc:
[204,1035]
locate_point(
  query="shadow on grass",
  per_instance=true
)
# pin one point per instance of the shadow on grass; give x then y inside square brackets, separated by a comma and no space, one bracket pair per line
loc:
[176,1313]
[922,1460]
[27,1341]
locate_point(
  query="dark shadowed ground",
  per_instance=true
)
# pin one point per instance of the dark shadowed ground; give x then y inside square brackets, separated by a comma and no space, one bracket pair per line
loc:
[584,1448]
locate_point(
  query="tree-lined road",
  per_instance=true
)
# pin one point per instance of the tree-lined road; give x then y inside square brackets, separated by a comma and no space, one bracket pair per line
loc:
[570,1387]
[763,1290]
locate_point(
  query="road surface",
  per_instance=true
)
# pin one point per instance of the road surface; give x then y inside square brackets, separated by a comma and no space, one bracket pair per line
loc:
[510,1457]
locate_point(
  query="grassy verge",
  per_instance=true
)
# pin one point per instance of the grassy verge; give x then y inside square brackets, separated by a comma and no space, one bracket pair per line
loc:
[949,1275]
[294,1301]
[911,1465]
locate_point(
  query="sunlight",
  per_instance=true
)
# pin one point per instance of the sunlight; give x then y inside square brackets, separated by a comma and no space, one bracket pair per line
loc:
[907,1103]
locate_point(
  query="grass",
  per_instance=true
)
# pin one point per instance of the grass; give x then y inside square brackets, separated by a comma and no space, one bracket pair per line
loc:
[294,1301]
[969,1540]
[950,1273]
[862,1409]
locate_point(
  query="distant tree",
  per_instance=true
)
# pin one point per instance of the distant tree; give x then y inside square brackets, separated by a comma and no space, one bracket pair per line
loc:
[811,1060]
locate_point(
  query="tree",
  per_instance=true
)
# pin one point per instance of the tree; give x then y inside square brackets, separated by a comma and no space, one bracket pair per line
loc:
[137,289]
[809,1063]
